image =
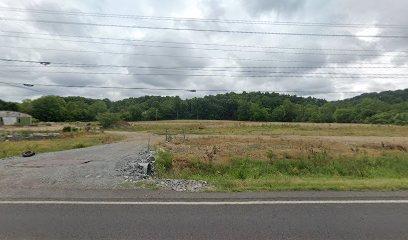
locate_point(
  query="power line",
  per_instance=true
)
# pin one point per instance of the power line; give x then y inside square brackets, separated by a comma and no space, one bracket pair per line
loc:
[314,75]
[210,49]
[206,30]
[210,68]
[177,56]
[170,89]
[231,21]
[107,87]
[195,43]
[198,68]
[25,61]
[22,87]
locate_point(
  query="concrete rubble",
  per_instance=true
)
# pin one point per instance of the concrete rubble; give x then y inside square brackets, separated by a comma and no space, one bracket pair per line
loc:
[23,136]
[141,168]
[136,168]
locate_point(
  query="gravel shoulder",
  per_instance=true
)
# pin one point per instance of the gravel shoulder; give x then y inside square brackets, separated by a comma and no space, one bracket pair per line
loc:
[86,168]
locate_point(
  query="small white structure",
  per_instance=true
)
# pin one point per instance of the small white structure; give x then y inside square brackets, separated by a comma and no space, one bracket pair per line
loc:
[14,118]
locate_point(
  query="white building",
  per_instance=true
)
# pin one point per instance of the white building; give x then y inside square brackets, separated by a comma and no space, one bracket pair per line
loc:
[14,118]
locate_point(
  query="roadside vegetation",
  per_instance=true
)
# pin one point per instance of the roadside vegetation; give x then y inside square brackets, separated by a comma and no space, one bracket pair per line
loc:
[65,142]
[317,172]
[342,158]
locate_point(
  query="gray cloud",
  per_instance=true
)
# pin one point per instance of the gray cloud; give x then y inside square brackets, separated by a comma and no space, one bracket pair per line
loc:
[347,11]
[260,7]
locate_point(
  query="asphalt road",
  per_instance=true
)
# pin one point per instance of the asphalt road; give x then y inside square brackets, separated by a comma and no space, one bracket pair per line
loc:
[145,221]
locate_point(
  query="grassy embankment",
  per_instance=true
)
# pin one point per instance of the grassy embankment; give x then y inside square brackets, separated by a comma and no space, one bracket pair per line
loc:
[66,142]
[237,156]
[317,173]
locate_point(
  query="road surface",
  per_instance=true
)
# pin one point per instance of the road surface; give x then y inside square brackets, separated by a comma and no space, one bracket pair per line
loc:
[182,220]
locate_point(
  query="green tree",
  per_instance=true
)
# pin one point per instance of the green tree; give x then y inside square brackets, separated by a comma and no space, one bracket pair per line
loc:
[287,112]
[108,119]
[326,112]
[244,111]
[258,113]
[8,106]
[369,107]
[135,113]
[26,106]
[49,108]
[77,111]
[97,107]
[345,115]
[150,114]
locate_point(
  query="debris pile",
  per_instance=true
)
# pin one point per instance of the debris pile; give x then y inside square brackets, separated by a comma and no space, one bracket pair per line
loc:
[141,168]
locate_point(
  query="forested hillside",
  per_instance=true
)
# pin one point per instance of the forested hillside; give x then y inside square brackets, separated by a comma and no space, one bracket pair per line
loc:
[390,107]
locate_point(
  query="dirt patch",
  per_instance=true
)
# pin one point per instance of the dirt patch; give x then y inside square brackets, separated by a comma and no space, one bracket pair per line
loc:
[139,137]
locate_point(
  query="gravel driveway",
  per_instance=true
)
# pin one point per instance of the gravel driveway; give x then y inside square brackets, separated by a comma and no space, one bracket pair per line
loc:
[86,168]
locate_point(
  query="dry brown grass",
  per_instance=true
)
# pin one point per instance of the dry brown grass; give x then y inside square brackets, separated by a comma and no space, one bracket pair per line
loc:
[65,142]
[220,149]
[247,156]
[268,128]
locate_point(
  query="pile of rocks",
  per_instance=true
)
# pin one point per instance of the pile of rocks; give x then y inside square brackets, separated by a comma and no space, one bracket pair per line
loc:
[141,168]
[183,185]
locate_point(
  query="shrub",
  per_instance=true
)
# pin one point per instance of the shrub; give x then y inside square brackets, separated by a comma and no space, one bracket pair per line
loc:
[67,129]
[270,155]
[79,145]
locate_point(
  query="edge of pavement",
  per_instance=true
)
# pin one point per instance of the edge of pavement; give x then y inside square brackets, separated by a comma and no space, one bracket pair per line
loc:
[145,195]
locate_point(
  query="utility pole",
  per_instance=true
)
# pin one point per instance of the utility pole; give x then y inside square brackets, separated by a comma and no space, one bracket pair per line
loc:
[155,104]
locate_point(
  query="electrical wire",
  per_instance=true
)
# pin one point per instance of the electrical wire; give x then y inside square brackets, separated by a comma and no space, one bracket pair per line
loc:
[303,75]
[83,51]
[170,89]
[210,49]
[24,61]
[207,30]
[230,21]
[240,46]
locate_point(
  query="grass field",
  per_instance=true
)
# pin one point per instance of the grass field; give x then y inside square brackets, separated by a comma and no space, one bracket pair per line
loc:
[66,142]
[237,156]
[262,128]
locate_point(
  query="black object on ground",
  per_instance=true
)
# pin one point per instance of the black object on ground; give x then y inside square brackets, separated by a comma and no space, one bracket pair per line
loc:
[28,154]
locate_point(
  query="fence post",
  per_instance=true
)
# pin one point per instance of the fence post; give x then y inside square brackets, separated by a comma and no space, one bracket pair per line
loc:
[167,138]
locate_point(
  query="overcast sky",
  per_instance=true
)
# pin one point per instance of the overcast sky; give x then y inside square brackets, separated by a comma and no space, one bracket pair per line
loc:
[328,67]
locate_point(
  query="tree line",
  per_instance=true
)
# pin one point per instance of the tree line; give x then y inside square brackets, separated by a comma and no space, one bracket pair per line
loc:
[390,107]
